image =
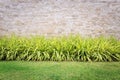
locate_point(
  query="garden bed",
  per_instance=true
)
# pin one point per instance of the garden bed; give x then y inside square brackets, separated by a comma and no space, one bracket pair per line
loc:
[64,48]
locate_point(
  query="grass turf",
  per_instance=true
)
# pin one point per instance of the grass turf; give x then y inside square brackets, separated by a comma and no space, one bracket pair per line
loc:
[18,70]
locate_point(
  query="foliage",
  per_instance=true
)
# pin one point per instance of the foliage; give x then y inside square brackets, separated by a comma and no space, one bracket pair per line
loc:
[64,48]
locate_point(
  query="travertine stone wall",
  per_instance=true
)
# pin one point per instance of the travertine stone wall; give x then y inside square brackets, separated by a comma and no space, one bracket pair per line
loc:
[57,17]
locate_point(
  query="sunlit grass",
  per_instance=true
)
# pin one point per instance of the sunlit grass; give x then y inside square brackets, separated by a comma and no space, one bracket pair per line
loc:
[24,70]
[64,48]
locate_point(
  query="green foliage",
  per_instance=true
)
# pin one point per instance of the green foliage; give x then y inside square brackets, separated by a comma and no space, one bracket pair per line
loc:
[70,48]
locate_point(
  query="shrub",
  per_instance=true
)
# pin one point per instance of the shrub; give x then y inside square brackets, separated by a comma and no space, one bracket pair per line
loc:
[70,48]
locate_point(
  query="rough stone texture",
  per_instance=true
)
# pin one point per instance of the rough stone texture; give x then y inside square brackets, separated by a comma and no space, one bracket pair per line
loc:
[57,17]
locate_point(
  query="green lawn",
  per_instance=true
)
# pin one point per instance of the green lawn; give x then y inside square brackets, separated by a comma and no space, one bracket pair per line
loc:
[18,70]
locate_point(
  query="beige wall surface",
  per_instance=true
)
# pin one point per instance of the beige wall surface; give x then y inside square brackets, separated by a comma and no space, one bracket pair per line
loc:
[58,17]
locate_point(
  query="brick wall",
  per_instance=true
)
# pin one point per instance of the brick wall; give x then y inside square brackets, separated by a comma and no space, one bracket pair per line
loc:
[58,17]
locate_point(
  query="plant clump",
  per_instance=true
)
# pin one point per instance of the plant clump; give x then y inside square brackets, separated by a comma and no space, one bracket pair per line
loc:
[70,48]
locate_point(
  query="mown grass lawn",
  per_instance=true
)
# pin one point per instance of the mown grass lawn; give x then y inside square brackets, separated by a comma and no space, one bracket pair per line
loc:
[18,70]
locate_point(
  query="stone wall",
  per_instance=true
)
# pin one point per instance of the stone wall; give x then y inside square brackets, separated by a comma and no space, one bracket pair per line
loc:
[57,17]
